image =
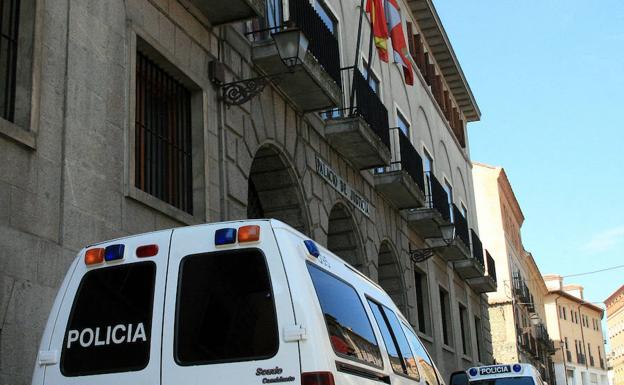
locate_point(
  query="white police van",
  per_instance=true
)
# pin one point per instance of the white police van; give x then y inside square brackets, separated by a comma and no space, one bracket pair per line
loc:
[512,374]
[246,302]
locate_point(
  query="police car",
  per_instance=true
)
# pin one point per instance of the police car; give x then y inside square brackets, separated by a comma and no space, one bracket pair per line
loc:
[512,374]
[244,302]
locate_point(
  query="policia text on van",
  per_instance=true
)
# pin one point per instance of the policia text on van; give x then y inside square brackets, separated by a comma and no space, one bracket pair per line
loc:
[511,374]
[248,302]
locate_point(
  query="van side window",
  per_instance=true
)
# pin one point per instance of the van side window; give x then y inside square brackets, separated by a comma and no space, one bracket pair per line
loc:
[401,356]
[421,356]
[350,330]
[110,324]
[225,308]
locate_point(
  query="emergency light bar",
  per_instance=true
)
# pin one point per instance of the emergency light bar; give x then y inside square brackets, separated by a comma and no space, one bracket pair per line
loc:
[227,236]
[312,249]
[98,255]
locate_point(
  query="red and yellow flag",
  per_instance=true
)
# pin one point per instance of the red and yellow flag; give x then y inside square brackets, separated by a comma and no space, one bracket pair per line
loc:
[380,27]
[398,40]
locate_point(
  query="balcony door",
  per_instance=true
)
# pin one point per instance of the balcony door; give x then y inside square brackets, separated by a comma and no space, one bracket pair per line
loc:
[274,13]
[449,192]
[428,170]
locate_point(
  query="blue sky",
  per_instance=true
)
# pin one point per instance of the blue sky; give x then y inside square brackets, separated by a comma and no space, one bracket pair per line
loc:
[549,79]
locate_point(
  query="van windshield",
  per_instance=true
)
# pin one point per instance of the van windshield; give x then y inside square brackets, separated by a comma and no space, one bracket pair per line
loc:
[110,323]
[525,380]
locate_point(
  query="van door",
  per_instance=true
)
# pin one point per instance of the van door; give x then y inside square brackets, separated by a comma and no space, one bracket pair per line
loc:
[228,310]
[108,326]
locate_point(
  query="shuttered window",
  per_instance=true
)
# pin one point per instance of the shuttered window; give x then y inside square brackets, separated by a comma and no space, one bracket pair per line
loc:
[163,136]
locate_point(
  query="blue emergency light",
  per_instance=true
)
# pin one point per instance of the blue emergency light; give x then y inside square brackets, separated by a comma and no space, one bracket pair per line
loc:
[473,372]
[225,236]
[517,368]
[312,249]
[114,252]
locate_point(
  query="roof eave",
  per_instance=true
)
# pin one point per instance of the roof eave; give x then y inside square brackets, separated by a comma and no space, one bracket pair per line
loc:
[430,25]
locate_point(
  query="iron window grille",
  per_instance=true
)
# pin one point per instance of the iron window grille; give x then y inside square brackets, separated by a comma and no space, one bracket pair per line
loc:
[163,155]
[9,30]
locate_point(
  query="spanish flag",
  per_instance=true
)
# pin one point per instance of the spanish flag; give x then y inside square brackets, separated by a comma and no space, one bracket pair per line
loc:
[380,27]
[398,41]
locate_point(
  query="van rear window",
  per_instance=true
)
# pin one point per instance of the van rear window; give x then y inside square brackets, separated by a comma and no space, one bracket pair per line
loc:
[110,322]
[350,330]
[226,310]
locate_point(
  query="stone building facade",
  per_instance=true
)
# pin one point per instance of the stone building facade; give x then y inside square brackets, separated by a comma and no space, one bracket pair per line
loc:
[116,124]
[517,312]
[615,326]
[576,327]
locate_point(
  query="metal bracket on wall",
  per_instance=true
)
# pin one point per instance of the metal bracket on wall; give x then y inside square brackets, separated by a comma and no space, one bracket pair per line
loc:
[240,92]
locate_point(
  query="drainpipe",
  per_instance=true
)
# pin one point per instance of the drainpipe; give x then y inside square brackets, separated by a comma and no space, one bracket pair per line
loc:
[583,336]
[513,315]
[224,213]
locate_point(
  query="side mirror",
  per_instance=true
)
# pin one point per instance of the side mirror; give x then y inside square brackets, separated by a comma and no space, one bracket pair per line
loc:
[459,378]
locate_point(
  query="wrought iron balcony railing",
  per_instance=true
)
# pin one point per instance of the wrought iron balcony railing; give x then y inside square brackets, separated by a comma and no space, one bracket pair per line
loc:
[477,248]
[436,196]
[366,104]
[405,157]
[521,291]
[322,43]
[580,358]
[461,226]
[491,265]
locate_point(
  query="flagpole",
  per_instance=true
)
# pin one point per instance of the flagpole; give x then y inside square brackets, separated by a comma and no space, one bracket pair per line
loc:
[370,56]
[357,55]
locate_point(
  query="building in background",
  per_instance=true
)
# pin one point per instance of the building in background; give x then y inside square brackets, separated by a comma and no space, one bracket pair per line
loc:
[575,325]
[517,313]
[615,331]
[120,117]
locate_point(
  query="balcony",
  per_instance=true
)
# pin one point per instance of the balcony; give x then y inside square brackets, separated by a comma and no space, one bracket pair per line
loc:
[580,358]
[403,182]
[530,306]
[520,290]
[360,132]
[315,84]
[460,248]
[426,221]
[474,266]
[486,283]
[544,339]
[533,348]
[222,12]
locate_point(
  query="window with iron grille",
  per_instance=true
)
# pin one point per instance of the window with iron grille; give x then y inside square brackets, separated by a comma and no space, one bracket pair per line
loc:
[163,136]
[9,28]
